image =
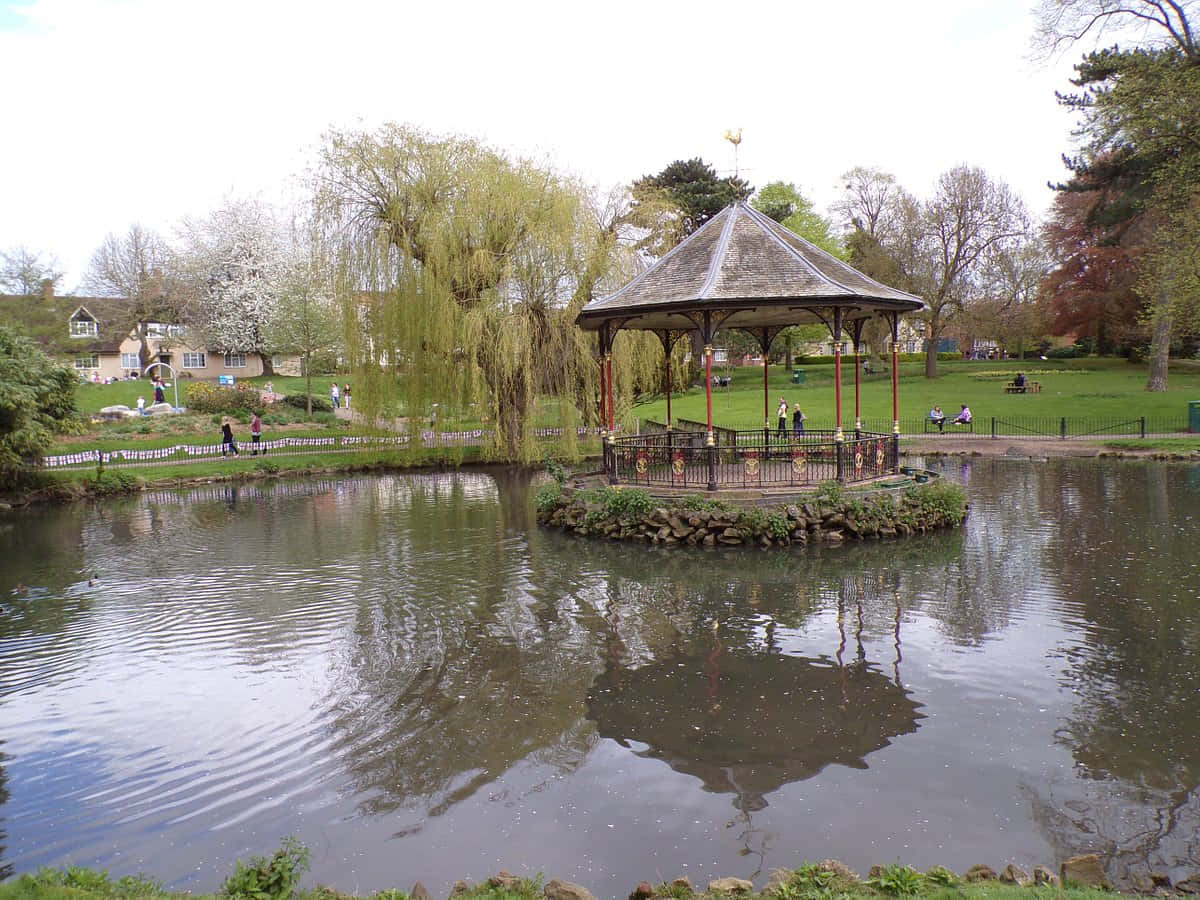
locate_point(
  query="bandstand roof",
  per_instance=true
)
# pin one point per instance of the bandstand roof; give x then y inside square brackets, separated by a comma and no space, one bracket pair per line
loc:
[753,273]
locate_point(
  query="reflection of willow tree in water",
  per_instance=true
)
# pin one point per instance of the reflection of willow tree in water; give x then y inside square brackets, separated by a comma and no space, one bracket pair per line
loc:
[978,597]
[441,695]
[1133,731]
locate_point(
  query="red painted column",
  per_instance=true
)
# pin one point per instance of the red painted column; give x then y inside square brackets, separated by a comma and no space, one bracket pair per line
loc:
[766,397]
[668,362]
[611,416]
[603,396]
[837,386]
[857,391]
[708,388]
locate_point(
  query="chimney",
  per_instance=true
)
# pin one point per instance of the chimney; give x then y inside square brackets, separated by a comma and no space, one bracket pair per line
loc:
[47,289]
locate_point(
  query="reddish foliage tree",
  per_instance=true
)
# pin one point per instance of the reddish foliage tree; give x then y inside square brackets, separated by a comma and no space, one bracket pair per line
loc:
[1095,246]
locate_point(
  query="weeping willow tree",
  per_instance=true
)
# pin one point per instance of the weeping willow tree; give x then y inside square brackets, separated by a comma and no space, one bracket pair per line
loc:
[461,272]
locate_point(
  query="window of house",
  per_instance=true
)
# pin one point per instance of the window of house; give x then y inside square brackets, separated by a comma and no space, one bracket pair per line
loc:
[276,361]
[88,360]
[193,360]
[235,360]
[130,361]
[83,328]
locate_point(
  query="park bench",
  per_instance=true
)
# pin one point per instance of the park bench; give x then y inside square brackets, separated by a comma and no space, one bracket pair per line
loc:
[1029,387]
[931,425]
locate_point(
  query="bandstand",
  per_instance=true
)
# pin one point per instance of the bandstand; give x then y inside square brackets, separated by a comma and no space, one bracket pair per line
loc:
[742,270]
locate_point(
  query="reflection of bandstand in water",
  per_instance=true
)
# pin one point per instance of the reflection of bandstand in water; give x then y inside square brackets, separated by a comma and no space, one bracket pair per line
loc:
[742,270]
[749,721]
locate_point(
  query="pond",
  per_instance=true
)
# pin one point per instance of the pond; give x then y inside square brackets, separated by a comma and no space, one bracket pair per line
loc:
[408,675]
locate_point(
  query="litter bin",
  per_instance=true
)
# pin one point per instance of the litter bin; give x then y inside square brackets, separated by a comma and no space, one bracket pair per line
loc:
[797,376]
[1194,417]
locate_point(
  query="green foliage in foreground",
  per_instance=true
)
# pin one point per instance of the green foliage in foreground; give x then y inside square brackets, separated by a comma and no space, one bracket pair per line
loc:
[37,400]
[618,503]
[269,879]
[897,880]
[75,881]
[939,501]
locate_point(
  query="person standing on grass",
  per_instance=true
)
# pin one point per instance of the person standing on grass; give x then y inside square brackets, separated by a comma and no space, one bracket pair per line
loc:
[227,442]
[782,414]
[255,433]
[346,395]
[333,395]
[798,418]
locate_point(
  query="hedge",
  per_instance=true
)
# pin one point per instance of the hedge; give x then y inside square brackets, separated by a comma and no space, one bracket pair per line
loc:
[904,357]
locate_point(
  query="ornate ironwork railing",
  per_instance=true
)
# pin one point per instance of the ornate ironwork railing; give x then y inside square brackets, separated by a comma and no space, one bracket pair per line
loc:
[749,459]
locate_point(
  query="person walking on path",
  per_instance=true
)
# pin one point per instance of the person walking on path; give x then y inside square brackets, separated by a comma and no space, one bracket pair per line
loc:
[255,433]
[227,443]
[159,394]
[346,395]
[782,414]
[798,418]
[333,395]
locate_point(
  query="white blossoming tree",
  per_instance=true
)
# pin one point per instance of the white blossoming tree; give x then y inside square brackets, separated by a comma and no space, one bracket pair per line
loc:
[234,264]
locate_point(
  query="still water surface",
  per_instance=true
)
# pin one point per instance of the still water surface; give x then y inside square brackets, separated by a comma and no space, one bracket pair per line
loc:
[411,677]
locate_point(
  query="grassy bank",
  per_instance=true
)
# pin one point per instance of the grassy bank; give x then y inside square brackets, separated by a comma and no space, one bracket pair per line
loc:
[66,485]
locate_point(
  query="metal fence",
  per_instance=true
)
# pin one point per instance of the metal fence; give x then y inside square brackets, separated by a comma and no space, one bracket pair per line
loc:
[1035,427]
[749,459]
[343,443]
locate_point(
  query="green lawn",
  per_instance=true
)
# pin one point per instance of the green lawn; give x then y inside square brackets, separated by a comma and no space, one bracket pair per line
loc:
[1108,389]
[1094,388]
[91,398]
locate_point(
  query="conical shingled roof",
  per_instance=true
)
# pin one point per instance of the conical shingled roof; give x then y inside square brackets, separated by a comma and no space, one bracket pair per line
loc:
[747,265]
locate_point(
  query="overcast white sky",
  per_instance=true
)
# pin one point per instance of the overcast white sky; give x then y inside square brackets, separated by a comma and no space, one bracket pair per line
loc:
[118,111]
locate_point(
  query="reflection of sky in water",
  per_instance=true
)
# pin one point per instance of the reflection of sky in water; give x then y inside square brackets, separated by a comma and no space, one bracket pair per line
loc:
[397,670]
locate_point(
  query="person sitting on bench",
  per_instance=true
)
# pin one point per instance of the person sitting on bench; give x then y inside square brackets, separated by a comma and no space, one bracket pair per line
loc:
[937,417]
[1019,382]
[963,417]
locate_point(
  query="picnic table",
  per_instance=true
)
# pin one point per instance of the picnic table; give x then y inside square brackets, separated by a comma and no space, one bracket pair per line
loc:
[1029,387]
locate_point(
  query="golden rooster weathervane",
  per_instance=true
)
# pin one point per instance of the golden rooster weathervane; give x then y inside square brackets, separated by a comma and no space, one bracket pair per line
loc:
[735,138]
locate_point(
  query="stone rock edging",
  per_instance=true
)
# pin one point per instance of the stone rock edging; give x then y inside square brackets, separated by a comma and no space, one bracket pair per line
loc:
[1085,870]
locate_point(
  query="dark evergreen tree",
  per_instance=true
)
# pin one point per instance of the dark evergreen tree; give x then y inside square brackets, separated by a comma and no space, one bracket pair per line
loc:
[679,199]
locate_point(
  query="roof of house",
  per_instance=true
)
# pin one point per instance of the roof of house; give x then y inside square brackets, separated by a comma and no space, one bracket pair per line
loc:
[752,269]
[46,319]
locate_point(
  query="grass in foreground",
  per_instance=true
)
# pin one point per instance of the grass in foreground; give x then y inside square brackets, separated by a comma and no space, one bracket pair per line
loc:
[277,878]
